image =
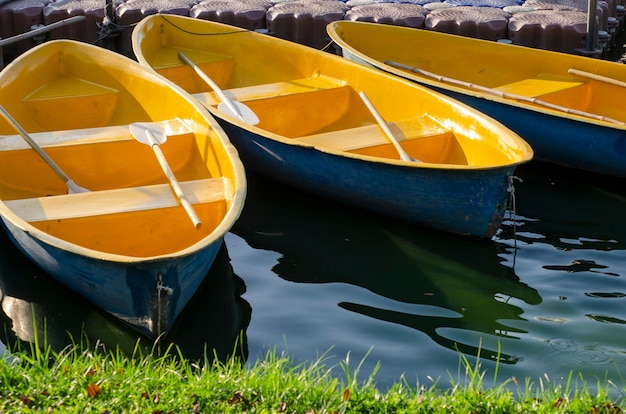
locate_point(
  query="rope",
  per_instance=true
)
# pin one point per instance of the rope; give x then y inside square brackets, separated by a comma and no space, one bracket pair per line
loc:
[511,202]
[202,34]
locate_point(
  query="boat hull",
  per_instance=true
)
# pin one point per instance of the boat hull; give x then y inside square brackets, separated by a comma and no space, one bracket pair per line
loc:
[576,144]
[148,295]
[583,129]
[316,133]
[126,244]
[461,203]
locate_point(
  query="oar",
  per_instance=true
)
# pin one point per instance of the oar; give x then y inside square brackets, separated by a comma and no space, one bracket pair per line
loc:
[502,94]
[152,135]
[600,78]
[233,108]
[383,125]
[71,186]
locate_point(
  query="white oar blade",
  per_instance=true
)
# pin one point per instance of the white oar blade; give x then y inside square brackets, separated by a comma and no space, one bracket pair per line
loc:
[148,133]
[245,113]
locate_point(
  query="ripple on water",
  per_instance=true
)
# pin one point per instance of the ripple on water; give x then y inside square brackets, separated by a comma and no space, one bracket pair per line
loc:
[571,352]
[605,319]
[605,294]
[551,319]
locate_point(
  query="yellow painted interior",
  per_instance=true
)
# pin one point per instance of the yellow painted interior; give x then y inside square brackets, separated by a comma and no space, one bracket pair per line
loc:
[116,233]
[167,63]
[538,86]
[526,71]
[66,87]
[439,149]
[92,104]
[170,230]
[99,166]
[273,77]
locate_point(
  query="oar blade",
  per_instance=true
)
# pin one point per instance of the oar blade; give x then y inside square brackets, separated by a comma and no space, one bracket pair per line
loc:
[244,112]
[148,133]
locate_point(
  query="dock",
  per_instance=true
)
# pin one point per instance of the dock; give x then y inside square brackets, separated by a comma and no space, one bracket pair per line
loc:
[590,28]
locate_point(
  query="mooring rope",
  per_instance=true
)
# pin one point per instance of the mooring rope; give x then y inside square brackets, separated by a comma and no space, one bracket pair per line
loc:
[511,203]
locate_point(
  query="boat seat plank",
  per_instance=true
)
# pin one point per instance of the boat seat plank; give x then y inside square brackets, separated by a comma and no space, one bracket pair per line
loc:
[88,100]
[115,201]
[167,57]
[371,135]
[541,85]
[87,135]
[269,90]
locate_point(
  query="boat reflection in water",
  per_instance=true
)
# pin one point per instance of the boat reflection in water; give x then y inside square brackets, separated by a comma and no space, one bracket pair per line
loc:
[576,223]
[448,281]
[568,209]
[37,308]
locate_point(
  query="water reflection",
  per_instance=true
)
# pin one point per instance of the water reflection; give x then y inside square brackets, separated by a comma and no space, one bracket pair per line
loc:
[571,236]
[570,211]
[452,282]
[35,307]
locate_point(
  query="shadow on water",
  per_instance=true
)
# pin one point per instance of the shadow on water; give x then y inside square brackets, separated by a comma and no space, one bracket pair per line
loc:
[581,217]
[451,282]
[36,307]
[569,209]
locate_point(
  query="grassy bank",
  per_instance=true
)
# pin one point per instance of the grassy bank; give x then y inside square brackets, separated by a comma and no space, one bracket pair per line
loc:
[100,381]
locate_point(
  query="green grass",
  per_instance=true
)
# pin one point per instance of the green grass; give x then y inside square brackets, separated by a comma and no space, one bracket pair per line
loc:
[92,379]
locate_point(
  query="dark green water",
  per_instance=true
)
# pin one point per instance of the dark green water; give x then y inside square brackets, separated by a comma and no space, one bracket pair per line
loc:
[545,297]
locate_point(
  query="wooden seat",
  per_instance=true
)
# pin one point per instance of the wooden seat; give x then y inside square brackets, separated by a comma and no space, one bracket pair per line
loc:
[543,84]
[88,135]
[91,103]
[115,201]
[372,135]
[270,90]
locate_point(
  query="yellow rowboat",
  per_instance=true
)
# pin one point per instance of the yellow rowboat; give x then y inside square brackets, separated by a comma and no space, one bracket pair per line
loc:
[116,232]
[569,108]
[329,126]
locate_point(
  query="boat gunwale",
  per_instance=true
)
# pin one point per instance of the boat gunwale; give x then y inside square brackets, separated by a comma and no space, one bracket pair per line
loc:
[430,82]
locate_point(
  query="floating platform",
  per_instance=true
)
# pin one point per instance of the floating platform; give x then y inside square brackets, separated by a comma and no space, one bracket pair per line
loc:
[559,25]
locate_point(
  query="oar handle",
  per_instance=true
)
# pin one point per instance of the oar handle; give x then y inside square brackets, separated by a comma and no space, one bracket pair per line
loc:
[383,125]
[200,73]
[600,78]
[34,145]
[176,186]
[211,83]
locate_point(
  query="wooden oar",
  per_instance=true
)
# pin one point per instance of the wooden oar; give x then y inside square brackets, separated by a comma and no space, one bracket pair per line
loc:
[233,108]
[383,125]
[502,94]
[152,135]
[600,78]
[71,186]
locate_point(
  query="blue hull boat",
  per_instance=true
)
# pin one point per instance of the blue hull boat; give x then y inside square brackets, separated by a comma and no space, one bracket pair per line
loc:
[569,108]
[338,129]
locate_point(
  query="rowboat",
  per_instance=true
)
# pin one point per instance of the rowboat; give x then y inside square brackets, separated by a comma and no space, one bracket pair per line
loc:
[131,238]
[569,108]
[321,123]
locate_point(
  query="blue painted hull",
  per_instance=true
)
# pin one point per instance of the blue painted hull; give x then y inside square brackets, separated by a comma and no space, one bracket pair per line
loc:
[556,139]
[141,293]
[316,133]
[469,202]
[122,245]
[149,295]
